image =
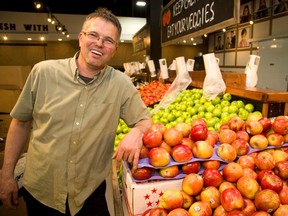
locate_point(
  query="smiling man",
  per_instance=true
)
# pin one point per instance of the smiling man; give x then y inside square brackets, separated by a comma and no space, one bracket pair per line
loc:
[73,107]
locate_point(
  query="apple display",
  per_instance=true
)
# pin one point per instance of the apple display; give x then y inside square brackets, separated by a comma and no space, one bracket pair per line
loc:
[231,199]
[172,136]
[242,147]
[275,139]
[152,138]
[210,195]
[232,172]
[248,186]
[264,160]
[158,157]
[192,167]
[226,152]
[212,177]
[198,132]
[227,136]
[181,153]
[267,200]
[258,141]
[202,149]
[192,184]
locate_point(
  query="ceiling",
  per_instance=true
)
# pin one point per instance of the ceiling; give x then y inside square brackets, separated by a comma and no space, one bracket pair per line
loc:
[126,8]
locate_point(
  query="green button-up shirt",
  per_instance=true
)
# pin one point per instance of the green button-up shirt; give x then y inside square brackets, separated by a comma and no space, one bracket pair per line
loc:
[73,132]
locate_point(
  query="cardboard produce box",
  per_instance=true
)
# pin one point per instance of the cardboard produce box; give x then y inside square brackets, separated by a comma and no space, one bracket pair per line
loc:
[14,75]
[8,99]
[139,197]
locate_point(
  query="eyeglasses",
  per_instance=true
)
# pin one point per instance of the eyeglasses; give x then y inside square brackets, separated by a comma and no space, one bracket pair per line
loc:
[94,36]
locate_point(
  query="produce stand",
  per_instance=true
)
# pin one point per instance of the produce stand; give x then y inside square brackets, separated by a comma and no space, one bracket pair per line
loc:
[116,190]
[270,102]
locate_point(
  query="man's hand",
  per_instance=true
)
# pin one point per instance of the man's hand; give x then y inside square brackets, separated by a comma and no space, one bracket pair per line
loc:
[9,193]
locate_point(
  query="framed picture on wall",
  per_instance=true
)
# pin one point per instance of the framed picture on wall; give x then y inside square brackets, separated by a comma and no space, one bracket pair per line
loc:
[219,41]
[261,8]
[246,12]
[230,40]
[280,6]
[243,37]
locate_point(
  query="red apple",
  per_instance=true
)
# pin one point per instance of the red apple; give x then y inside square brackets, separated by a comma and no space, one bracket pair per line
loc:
[179,212]
[172,136]
[152,138]
[258,141]
[267,200]
[250,172]
[188,200]
[261,213]
[158,157]
[166,146]
[212,177]
[192,167]
[253,117]
[227,136]
[200,208]
[232,172]
[211,139]
[144,152]
[246,161]
[210,195]
[156,212]
[264,160]
[171,199]
[242,147]
[185,128]
[226,152]
[283,195]
[198,132]
[226,184]
[142,173]
[236,213]
[275,139]
[280,155]
[248,187]
[169,172]
[249,207]
[159,127]
[223,126]
[280,125]
[242,135]
[266,124]
[214,134]
[235,123]
[188,142]
[262,173]
[202,149]
[198,121]
[272,182]
[231,199]
[211,164]
[282,210]
[281,169]
[220,211]
[192,184]
[254,127]
[181,153]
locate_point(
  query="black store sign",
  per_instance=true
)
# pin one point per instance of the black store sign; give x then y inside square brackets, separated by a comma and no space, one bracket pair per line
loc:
[184,17]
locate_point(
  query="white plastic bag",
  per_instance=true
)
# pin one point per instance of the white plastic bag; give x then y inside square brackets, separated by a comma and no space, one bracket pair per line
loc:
[251,70]
[181,82]
[214,84]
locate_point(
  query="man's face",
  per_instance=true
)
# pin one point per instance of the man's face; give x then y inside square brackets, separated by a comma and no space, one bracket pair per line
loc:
[98,43]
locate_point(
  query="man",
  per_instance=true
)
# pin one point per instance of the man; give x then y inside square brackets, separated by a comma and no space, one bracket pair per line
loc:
[73,106]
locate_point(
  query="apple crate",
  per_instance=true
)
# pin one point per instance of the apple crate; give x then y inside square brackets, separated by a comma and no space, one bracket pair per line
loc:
[139,197]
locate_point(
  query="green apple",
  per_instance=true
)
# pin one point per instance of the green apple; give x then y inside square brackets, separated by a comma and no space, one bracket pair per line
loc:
[216,100]
[201,114]
[227,96]
[208,115]
[210,108]
[217,112]
[240,104]
[201,108]
[171,117]
[233,109]
[249,107]
[203,100]
[225,103]
[243,114]
[258,113]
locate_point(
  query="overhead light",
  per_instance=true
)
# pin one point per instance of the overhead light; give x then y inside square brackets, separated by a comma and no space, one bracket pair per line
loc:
[37,5]
[141,3]
[5,37]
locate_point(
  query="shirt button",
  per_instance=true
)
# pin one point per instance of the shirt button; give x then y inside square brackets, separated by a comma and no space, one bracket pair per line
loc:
[77,123]
[71,161]
[81,105]
[74,142]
